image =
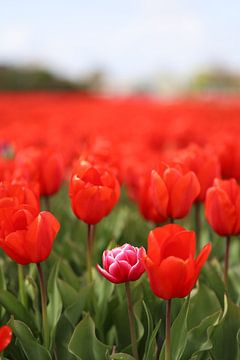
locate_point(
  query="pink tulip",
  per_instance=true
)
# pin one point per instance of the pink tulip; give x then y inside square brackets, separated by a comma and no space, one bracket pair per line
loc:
[122,264]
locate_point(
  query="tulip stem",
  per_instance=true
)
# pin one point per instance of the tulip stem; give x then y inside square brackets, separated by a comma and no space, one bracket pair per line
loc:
[21,289]
[90,240]
[131,321]
[45,326]
[226,261]
[171,220]
[198,224]
[47,203]
[168,330]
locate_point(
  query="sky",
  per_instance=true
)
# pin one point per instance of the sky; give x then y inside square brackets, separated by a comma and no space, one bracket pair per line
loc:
[126,38]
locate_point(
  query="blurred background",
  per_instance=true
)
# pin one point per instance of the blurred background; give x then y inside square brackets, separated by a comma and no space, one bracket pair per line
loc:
[121,47]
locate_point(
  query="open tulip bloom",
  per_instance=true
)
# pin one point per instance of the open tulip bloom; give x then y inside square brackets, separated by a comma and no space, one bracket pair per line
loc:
[171,266]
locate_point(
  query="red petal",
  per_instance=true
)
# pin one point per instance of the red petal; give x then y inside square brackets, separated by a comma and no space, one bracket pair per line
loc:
[157,239]
[183,194]
[5,337]
[220,212]
[40,236]
[159,194]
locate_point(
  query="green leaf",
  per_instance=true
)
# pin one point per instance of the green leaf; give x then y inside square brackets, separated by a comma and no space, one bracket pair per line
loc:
[74,311]
[63,335]
[202,304]
[198,338]
[224,339]
[14,307]
[121,356]
[54,307]
[211,274]
[30,346]
[151,343]
[84,343]
[68,293]
[178,333]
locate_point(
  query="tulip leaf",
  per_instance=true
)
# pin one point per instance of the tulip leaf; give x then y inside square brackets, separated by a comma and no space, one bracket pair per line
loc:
[121,356]
[202,304]
[54,307]
[224,339]
[210,272]
[178,333]
[68,293]
[64,332]
[84,343]
[74,311]
[198,338]
[31,348]
[15,308]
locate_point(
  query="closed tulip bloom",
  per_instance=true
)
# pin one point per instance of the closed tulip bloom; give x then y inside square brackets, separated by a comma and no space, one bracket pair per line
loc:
[222,207]
[204,163]
[145,201]
[42,165]
[122,264]
[5,337]
[26,235]
[170,263]
[94,191]
[174,189]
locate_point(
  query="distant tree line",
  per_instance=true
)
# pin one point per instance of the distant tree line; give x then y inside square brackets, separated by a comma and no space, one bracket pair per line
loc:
[14,78]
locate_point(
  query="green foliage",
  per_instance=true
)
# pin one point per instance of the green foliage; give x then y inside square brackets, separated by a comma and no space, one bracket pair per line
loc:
[90,321]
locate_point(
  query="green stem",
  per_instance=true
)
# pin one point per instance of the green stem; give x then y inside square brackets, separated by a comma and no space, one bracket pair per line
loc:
[90,240]
[226,261]
[198,224]
[131,321]
[47,203]
[45,326]
[171,220]
[168,331]
[21,286]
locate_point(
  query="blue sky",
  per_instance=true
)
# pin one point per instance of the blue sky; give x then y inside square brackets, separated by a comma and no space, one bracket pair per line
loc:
[127,38]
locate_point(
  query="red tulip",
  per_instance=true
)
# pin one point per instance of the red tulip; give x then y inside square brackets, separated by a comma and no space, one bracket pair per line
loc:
[204,163]
[223,207]
[170,263]
[42,165]
[25,234]
[146,204]
[5,337]
[122,264]
[94,191]
[174,190]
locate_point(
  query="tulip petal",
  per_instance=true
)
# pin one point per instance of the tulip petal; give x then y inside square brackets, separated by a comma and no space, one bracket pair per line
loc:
[40,236]
[157,239]
[220,212]
[5,337]
[159,194]
[183,194]
[106,274]
[202,257]
[167,280]
[181,245]
[14,246]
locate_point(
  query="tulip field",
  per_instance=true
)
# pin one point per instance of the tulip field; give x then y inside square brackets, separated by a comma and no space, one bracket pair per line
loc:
[119,227]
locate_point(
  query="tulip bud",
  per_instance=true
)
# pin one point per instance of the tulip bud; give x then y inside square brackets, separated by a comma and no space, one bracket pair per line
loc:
[122,264]
[222,207]
[5,337]
[94,191]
